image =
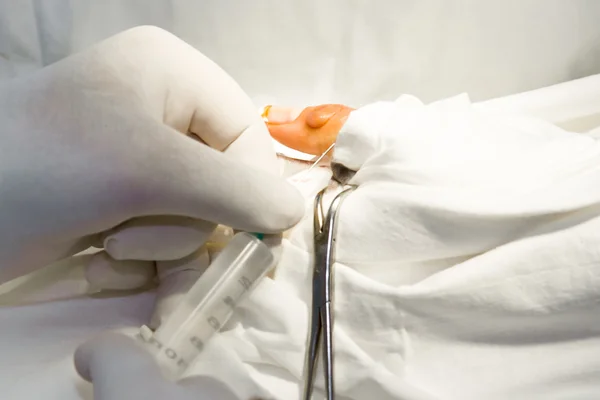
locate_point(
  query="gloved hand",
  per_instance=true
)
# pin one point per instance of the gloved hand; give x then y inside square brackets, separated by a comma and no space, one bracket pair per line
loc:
[120,368]
[98,149]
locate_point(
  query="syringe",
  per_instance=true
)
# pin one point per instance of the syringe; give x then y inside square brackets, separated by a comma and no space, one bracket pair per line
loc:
[208,304]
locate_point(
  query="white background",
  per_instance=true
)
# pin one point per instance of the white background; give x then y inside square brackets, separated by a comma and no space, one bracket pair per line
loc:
[348,51]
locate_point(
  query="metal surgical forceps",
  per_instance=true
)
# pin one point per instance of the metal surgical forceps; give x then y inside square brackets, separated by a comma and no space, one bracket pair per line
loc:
[321,319]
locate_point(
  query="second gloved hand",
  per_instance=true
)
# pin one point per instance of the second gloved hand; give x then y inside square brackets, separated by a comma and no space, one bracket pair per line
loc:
[120,368]
[141,134]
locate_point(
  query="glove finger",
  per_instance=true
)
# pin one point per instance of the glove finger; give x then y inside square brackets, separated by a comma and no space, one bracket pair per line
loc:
[195,95]
[202,94]
[175,279]
[254,147]
[119,368]
[191,179]
[215,107]
[157,238]
[106,273]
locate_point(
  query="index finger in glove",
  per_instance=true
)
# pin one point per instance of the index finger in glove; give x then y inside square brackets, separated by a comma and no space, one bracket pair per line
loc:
[156,238]
[193,94]
[187,178]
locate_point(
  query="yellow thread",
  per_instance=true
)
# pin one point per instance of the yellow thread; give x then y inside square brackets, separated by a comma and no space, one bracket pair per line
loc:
[265,113]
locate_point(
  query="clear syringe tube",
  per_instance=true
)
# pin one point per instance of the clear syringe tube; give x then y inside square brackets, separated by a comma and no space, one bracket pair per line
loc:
[208,304]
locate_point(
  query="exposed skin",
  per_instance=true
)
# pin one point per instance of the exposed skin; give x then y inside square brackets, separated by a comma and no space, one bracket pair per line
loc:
[312,130]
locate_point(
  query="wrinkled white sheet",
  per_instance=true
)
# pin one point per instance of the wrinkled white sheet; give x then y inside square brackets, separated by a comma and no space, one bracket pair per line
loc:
[467,270]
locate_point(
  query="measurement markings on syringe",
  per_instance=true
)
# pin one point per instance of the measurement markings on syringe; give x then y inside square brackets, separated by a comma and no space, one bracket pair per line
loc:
[171,353]
[245,282]
[213,321]
[229,301]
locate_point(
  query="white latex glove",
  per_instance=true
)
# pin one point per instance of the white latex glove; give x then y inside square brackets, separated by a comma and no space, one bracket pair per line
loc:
[97,149]
[120,368]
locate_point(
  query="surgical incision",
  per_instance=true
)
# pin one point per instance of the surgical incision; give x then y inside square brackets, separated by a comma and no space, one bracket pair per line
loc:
[313,131]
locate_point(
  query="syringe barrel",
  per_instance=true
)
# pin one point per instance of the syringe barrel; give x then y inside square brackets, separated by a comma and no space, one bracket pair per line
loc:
[209,303]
